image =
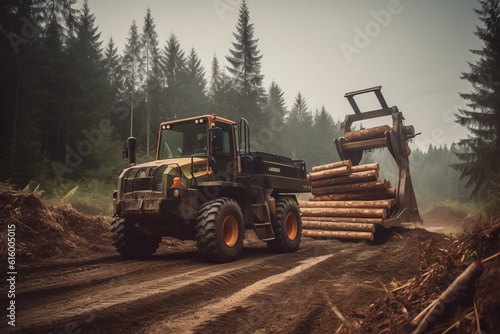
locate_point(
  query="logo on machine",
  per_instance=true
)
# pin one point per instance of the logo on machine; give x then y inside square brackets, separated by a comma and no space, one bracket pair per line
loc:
[274,169]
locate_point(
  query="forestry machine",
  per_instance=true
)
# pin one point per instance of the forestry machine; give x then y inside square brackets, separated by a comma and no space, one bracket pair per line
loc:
[206,185]
[352,144]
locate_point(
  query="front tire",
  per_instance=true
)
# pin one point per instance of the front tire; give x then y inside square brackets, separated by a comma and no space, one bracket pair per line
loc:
[131,242]
[287,226]
[219,230]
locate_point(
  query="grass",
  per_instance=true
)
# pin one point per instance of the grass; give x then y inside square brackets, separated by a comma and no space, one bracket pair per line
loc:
[89,196]
[473,208]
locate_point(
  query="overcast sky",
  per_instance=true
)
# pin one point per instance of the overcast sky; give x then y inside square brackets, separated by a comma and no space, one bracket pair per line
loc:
[415,49]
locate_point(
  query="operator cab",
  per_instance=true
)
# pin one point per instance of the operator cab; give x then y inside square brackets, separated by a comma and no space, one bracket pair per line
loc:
[207,136]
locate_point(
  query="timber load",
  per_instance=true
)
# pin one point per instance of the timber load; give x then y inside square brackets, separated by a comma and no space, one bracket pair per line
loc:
[347,201]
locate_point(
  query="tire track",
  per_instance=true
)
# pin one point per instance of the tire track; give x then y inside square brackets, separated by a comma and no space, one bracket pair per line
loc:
[123,287]
[138,296]
[189,322]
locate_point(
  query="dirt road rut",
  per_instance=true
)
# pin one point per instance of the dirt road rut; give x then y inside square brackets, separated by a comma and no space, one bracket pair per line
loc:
[176,292]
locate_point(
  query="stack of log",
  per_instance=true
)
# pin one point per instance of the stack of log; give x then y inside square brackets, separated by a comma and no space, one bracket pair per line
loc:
[347,202]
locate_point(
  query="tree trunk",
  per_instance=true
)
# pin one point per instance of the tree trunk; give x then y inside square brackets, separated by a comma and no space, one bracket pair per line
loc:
[351,187]
[362,168]
[332,165]
[338,226]
[363,195]
[338,234]
[377,221]
[409,130]
[370,175]
[382,204]
[329,173]
[371,133]
[344,212]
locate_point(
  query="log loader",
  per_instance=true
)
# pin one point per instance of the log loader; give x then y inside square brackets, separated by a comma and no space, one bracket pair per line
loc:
[395,138]
[206,185]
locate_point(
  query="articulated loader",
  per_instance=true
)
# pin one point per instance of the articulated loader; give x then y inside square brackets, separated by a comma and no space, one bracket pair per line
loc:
[206,185]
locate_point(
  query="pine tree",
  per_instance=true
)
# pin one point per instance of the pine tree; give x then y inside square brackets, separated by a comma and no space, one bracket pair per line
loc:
[86,101]
[221,93]
[53,45]
[245,57]
[244,60]
[215,78]
[61,13]
[173,61]
[112,61]
[22,91]
[482,118]
[151,60]
[325,130]
[133,76]
[275,113]
[174,69]
[195,99]
[299,125]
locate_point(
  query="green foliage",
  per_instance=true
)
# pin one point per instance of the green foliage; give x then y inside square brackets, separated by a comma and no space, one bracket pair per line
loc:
[482,118]
[70,104]
[245,58]
[492,205]
[71,193]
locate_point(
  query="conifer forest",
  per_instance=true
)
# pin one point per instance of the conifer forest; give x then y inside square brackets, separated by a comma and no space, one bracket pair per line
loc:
[69,99]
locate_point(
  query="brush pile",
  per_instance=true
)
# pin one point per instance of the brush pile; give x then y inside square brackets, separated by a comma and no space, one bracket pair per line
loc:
[458,291]
[44,231]
[347,202]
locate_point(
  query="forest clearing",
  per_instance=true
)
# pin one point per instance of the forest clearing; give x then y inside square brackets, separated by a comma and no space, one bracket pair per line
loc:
[81,283]
[257,181]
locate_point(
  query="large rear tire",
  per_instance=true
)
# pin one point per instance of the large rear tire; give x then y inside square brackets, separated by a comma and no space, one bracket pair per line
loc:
[219,230]
[131,242]
[287,226]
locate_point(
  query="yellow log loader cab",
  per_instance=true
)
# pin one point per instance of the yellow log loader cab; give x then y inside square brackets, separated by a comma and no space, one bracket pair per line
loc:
[206,185]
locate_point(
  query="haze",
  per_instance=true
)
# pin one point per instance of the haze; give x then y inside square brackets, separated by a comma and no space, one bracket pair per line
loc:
[415,49]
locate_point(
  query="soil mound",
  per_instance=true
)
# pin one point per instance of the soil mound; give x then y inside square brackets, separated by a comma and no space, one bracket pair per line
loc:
[43,231]
[458,290]
[449,221]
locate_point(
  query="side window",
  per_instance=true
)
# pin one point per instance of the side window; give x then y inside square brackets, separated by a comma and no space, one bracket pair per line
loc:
[226,143]
[227,137]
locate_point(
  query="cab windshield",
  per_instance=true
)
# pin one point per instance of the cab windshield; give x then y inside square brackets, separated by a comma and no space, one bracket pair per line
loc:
[184,139]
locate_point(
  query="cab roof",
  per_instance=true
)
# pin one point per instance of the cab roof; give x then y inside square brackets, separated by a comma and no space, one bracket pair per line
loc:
[212,118]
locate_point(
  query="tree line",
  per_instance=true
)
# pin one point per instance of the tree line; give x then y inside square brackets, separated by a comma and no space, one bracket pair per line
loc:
[69,100]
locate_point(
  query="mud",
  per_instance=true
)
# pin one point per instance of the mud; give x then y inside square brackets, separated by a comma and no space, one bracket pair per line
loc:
[78,284]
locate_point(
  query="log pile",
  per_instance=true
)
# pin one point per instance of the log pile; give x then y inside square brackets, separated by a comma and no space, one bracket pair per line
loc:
[347,202]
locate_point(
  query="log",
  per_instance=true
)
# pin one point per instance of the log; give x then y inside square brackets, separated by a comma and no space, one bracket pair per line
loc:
[363,195]
[344,212]
[448,296]
[351,187]
[409,130]
[329,173]
[383,204]
[332,165]
[365,167]
[370,175]
[338,234]
[359,220]
[364,134]
[338,226]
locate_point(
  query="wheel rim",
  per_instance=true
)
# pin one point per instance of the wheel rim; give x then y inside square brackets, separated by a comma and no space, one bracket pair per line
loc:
[230,231]
[291,226]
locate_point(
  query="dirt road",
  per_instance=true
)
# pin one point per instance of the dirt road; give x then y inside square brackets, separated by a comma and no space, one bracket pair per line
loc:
[177,292]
